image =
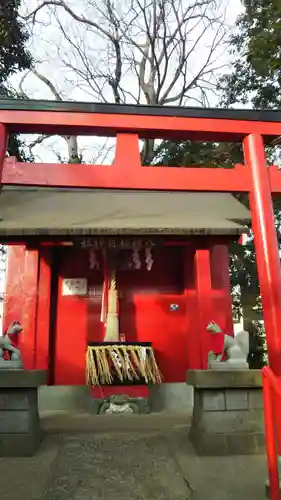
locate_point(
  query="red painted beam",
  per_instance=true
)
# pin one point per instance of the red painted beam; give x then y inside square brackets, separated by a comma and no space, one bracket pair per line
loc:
[30,295]
[74,123]
[221,286]
[3,146]
[14,298]
[202,265]
[43,310]
[114,177]
[275,178]
[127,173]
[111,177]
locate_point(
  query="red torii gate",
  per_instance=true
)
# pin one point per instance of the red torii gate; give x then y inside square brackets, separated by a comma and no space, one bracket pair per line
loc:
[131,123]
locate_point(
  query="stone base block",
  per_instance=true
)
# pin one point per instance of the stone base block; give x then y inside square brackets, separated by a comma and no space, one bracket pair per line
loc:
[20,430]
[228,412]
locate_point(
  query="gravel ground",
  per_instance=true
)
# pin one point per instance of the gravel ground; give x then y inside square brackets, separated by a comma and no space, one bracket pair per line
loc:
[117,468]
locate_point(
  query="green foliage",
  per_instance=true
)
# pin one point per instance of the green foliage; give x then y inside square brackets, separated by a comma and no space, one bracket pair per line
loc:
[13,38]
[257,349]
[256,73]
[204,154]
[13,58]
[17,148]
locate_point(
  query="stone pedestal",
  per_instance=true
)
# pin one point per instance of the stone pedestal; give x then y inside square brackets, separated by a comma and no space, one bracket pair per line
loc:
[20,431]
[228,412]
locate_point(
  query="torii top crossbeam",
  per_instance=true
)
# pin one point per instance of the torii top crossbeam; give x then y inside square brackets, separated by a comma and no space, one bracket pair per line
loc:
[129,123]
[206,124]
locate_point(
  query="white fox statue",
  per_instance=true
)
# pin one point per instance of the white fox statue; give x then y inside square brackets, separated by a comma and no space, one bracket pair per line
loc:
[236,351]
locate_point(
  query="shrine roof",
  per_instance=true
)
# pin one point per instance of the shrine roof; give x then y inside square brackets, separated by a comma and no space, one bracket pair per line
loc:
[55,212]
[166,122]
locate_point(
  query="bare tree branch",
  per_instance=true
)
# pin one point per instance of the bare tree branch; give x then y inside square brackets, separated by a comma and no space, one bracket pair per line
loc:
[115,82]
[156,52]
[61,3]
[49,84]
[72,143]
[203,71]
[39,140]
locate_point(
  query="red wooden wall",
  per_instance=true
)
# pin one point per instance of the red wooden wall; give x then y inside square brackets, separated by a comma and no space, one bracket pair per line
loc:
[194,279]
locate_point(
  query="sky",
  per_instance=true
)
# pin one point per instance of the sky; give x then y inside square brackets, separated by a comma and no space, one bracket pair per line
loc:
[52,54]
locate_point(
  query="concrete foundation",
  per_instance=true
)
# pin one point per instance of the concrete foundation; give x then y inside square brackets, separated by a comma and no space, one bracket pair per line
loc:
[63,398]
[228,412]
[176,398]
[20,430]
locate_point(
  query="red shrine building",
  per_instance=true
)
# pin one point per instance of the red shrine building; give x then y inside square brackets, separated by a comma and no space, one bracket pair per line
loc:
[159,301]
[169,229]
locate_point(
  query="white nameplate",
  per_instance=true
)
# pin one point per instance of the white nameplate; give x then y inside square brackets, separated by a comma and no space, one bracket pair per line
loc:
[76,286]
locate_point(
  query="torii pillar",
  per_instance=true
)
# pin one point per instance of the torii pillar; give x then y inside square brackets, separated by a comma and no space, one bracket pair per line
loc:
[266,246]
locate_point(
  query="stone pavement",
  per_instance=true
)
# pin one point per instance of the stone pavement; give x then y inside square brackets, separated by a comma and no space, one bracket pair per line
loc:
[128,458]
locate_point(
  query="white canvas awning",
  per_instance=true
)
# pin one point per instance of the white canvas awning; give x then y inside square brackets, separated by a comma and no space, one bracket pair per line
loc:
[51,211]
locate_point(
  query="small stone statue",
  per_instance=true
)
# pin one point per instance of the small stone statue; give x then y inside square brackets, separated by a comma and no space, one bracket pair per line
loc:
[119,403]
[7,349]
[235,351]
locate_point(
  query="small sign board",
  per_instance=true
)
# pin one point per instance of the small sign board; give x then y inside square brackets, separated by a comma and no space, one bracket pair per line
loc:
[119,243]
[75,286]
